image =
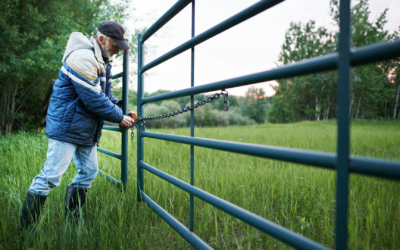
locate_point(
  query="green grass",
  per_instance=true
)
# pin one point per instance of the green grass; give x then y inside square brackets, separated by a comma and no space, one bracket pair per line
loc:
[298,197]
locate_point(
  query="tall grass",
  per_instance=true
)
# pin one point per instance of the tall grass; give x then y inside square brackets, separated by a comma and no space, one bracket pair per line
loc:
[298,197]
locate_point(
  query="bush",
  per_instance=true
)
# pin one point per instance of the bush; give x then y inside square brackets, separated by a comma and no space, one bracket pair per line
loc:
[204,116]
[165,107]
[239,120]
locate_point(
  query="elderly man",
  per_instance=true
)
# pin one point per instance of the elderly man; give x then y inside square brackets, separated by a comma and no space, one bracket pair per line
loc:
[81,101]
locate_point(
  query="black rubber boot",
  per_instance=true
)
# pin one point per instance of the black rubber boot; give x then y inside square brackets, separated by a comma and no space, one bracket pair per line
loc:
[75,198]
[31,209]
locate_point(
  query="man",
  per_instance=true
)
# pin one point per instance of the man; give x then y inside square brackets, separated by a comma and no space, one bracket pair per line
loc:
[81,101]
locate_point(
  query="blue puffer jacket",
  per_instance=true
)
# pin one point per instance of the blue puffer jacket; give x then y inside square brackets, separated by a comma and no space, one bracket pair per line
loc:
[82,97]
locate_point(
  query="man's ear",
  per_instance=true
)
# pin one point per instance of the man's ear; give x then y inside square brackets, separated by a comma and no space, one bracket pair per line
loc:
[101,40]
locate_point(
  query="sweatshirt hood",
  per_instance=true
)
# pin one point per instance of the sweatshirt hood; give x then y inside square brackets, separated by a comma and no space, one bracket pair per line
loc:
[76,41]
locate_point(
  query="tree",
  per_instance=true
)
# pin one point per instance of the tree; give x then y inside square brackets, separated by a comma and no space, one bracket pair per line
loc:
[254,104]
[314,96]
[371,87]
[305,97]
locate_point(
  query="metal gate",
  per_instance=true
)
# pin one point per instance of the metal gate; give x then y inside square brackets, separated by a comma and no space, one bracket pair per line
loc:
[341,162]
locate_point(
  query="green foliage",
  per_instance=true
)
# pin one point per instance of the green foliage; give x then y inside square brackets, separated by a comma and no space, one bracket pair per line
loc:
[219,103]
[242,111]
[306,41]
[278,113]
[314,96]
[204,116]
[34,34]
[373,86]
[170,105]
[132,97]
[297,197]
[255,104]
[304,97]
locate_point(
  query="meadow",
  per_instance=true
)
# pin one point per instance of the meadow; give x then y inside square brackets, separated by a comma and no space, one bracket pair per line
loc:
[298,197]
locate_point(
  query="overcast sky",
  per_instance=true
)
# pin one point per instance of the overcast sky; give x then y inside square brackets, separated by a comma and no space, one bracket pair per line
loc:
[249,47]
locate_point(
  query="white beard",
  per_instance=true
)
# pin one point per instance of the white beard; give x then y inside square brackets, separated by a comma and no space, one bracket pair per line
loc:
[106,52]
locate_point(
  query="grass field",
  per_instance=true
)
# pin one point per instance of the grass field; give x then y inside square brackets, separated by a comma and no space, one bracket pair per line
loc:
[298,197]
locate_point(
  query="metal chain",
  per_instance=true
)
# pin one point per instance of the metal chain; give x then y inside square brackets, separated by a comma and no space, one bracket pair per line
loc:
[181,111]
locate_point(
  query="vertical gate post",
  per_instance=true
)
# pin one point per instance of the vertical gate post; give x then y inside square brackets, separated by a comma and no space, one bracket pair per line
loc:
[343,143]
[124,146]
[140,126]
[192,125]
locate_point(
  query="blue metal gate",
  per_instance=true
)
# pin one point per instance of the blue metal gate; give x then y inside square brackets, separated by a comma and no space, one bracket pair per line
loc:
[341,162]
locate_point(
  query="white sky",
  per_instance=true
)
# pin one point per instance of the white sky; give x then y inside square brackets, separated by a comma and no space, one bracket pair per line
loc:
[249,47]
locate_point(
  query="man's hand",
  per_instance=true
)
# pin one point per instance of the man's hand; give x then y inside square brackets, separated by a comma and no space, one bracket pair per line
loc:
[126,122]
[133,115]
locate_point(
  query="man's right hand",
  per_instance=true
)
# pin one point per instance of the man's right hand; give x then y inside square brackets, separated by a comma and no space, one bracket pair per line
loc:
[126,122]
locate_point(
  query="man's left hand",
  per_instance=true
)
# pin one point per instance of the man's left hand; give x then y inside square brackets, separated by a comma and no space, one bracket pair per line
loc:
[133,115]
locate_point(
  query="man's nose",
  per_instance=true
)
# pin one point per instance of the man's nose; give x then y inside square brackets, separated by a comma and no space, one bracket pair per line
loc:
[118,50]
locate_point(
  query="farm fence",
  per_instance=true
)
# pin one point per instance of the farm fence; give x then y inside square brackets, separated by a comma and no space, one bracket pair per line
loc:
[341,161]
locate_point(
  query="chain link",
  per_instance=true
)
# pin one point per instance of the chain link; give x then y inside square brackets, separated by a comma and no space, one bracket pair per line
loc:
[181,111]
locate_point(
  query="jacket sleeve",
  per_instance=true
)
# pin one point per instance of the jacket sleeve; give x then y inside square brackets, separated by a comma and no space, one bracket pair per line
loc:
[81,69]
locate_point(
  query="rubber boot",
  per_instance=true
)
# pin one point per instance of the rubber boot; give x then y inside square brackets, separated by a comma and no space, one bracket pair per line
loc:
[31,209]
[75,198]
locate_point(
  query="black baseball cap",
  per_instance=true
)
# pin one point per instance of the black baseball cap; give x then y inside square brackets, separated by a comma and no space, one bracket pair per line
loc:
[116,32]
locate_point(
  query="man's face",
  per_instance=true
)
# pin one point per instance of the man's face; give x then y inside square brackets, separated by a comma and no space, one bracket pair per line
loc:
[109,47]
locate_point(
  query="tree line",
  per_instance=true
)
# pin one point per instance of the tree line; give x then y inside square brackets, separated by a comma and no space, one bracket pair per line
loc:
[375,88]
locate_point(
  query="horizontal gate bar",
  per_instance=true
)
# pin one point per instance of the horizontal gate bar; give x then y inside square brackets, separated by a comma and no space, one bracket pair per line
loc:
[189,236]
[219,28]
[112,128]
[119,75]
[375,53]
[319,159]
[360,56]
[173,11]
[276,231]
[360,165]
[109,153]
[375,167]
[110,179]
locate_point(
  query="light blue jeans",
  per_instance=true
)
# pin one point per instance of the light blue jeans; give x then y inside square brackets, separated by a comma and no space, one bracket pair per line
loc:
[59,157]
